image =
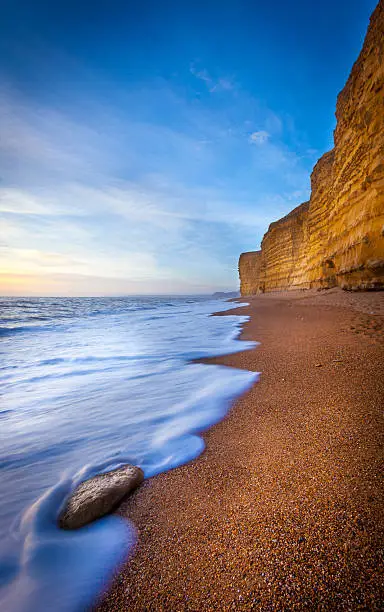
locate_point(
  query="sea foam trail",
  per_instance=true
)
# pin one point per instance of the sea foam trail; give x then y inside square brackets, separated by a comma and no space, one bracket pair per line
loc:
[107,383]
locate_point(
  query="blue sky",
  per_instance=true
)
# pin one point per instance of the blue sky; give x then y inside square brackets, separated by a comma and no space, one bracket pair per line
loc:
[144,145]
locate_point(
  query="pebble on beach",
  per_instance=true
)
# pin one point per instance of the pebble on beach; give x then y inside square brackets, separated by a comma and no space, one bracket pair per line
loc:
[99,496]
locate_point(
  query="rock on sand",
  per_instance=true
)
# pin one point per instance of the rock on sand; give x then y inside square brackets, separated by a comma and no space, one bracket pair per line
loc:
[98,496]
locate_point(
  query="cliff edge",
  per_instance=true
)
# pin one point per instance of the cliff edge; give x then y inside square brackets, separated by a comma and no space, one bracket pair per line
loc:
[337,238]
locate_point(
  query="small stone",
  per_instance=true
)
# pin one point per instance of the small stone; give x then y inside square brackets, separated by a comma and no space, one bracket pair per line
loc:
[318,365]
[99,496]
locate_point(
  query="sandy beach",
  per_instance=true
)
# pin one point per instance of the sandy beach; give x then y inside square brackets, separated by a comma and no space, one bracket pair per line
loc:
[283,511]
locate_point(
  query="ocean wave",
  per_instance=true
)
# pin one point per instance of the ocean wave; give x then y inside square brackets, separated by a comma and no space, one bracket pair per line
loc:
[10,331]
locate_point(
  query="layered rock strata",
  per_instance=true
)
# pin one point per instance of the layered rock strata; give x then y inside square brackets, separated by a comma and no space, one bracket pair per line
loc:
[337,238]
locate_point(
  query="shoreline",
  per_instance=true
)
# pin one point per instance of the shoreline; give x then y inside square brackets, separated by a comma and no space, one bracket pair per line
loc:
[283,508]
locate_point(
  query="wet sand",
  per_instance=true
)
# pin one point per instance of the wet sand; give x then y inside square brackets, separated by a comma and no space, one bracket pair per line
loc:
[284,509]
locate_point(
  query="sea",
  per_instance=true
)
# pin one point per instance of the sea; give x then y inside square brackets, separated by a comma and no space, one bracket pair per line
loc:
[87,385]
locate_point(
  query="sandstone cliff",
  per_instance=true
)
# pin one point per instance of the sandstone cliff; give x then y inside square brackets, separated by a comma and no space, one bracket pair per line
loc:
[337,238]
[249,272]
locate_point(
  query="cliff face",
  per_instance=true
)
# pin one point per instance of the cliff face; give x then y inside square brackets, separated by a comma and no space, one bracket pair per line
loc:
[249,272]
[337,238]
[283,250]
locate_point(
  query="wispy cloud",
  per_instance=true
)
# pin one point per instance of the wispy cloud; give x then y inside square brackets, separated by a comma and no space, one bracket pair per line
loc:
[259,137]
[213,84]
